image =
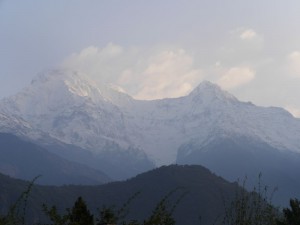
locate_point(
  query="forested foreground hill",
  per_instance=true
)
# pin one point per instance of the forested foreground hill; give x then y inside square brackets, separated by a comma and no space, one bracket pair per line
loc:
[204,194]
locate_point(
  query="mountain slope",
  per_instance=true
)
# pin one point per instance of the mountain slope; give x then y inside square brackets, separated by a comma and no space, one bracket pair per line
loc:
[204,197]
[69,108]
[75,112]
[240,157]
[22,159]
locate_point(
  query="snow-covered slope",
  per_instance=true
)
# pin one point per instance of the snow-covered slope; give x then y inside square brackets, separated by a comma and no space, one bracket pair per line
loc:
[62,110]
[74,110]
[69,108]
[17,125]
[207,112]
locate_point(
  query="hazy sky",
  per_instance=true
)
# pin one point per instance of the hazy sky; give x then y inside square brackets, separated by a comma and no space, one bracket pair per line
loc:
[158,48]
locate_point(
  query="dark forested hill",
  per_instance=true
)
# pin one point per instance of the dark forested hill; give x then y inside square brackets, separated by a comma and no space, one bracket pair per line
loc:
[205,194]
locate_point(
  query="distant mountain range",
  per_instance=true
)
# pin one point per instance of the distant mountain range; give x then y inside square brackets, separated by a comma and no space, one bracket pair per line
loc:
[205,195]
[108,130]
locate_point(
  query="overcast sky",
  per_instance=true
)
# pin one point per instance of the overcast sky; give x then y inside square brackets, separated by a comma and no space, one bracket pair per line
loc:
[158,48]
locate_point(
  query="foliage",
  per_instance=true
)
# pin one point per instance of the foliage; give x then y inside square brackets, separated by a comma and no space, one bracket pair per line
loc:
[292,215]
[107,216]
[54,216]
[110,215]
[17,212]
[160,216]
[80,215]
[254,208]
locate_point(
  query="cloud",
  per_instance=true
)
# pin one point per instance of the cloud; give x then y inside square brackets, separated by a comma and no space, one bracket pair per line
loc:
[294,64]
[242,46]
[168,74]
[293,110]
[96,62]
[235,77]
[111,50]
[248,34]
[144,74]
[241,56]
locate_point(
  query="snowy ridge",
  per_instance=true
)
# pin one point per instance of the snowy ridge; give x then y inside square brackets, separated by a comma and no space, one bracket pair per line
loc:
[18,126]
[209,91]
[69,108]
[74,110]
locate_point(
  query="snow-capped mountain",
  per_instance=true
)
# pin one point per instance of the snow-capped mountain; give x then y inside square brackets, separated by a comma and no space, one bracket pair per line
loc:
[78,116]
[107,129]
[69,108]
[76,111]
[205,113]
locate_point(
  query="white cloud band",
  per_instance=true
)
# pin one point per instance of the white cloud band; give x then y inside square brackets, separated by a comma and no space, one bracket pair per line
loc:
[235,77]
[154,75]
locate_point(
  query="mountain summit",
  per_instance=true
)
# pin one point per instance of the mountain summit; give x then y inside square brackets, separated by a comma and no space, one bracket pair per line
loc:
[66,80]
[69,87]
[210,91]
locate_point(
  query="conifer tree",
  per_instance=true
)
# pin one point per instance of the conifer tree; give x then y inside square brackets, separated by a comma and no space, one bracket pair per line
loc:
[80,215]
